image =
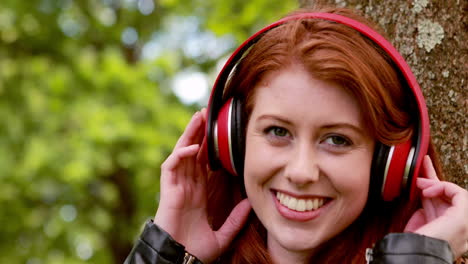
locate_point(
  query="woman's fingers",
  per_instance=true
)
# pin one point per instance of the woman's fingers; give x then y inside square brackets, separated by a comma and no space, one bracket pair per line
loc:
[172,163]
[434,198]
[445,210]
[429,209]
[177,163]
[202,156]
[191,132]
[201,131]
[447,191]
[203,111]
[424,183]
[428,169]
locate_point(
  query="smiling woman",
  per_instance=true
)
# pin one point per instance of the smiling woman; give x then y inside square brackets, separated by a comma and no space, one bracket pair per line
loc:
[287,171]
[317,124]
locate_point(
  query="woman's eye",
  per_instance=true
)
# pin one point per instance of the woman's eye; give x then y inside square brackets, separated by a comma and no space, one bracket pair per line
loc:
[338,141]
[278,131]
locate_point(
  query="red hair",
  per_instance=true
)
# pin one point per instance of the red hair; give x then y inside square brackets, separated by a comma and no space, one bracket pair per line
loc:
[335,53]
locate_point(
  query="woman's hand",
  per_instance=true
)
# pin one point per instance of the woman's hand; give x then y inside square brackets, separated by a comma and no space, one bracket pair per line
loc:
[445,211]
[182,208]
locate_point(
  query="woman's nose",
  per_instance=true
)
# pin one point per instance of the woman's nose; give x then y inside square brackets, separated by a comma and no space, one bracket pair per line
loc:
[302,167]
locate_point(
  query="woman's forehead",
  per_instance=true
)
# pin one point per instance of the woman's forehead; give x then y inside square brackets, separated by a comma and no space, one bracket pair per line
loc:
[293,91]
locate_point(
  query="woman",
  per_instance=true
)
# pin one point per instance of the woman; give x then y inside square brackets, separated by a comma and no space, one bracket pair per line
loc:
[317,104]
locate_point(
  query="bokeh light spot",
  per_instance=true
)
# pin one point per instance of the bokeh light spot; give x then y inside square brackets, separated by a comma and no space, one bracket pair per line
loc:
[129,36]
[68,212]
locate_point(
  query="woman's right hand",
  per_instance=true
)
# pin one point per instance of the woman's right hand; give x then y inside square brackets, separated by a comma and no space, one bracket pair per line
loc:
[444,213]
[182,208]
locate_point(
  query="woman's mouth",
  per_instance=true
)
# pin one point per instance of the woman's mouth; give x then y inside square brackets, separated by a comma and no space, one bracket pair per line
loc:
[299,209]
[298,204]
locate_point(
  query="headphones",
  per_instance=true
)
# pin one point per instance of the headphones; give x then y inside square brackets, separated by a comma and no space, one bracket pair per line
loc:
[394,168]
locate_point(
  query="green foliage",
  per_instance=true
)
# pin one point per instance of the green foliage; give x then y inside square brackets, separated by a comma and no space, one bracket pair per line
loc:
[76,138]
[87,122]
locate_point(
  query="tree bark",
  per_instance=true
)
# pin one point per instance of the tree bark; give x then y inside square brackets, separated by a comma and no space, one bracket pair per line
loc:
[432,36]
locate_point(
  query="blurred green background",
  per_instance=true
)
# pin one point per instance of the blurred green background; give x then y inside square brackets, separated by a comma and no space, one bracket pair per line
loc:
[93,95]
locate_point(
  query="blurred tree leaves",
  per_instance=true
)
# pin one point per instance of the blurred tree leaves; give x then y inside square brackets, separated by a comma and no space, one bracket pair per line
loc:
[88,137]
[88,119]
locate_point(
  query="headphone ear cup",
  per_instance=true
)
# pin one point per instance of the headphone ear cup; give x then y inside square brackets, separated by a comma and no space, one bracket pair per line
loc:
[379,161]
[228,137]
[391,170]
[238,136]
[397,171]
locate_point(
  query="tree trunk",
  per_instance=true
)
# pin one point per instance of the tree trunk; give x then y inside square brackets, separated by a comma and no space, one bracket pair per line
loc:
[432,36]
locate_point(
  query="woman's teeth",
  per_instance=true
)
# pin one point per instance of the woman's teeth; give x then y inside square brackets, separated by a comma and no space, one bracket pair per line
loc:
[300,205]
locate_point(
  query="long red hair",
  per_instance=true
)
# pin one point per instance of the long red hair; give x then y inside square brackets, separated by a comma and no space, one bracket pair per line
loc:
[335,53]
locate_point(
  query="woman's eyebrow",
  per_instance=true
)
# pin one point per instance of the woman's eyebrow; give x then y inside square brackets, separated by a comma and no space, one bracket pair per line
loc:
[345,125]
[274,117]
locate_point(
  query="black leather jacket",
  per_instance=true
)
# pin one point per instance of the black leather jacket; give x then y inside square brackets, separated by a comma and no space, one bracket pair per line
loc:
[155,246]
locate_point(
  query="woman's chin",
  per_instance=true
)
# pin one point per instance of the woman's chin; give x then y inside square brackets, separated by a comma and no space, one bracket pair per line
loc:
[295,244]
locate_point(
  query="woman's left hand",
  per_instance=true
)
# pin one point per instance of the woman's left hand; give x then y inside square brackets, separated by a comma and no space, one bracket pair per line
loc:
[445,211]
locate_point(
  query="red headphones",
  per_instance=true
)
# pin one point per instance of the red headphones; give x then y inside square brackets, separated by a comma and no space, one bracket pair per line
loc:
[394,168]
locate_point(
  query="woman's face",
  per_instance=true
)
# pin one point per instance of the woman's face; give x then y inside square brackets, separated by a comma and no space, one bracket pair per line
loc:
[307,163]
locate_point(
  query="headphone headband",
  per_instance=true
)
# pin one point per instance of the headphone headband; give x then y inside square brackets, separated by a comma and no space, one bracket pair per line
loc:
[423,129]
